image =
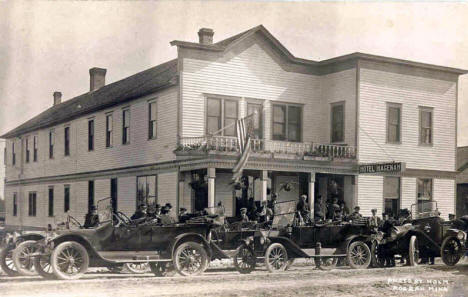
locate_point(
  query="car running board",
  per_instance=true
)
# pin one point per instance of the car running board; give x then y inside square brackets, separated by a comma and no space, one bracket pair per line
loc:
[132,256]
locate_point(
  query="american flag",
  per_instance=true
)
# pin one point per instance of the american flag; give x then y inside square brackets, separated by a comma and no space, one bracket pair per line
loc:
[244,129]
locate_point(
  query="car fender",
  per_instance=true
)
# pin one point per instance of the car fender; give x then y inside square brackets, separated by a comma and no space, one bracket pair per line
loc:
[81,240]
[30,236]
[181,238]
[294,251]
[365,238]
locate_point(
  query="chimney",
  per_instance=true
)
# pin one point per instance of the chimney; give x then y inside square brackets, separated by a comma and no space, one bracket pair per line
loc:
[97,78]
[57,98]
[206,36]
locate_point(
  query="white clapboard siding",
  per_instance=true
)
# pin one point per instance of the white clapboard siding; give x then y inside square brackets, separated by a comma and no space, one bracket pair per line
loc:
[408,192]
[370,193]
[223,192]
[250,72]
[444,194]
[126,198]
[167,189]
[140,151]
[377,87]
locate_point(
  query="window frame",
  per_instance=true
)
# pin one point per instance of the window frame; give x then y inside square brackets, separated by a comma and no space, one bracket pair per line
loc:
[66,141]
[91,134]
[261,117]
[333,105]
[431,111]
[391,198]
[27,151]
[399,106]
[35,138]
[91,194]
[156,198]
[51,143]
[66,198]
[109,132]
[32,204]
[222,118]
[126,130]
[13,154]
[15,204]
[152,124]
[286,121]
[51,198]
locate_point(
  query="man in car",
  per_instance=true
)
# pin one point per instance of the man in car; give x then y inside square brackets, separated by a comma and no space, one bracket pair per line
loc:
[166,218]
[355,215]
[375,220]
[140,213]
[91,218]
[244,216]
[302,209]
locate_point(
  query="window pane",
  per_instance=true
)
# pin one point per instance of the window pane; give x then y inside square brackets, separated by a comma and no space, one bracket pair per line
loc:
[230,109]
[213,125]
[394,115]
[337,123]
[426,119]
[231,130]
[294,114]
[279,114]
[152,111]
[126,116]
[424,189]
[278,131]
[257,119]
[214,107]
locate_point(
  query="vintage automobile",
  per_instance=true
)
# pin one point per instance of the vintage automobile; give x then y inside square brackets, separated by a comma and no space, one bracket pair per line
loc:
[424,235]
[325,243]
[186,247]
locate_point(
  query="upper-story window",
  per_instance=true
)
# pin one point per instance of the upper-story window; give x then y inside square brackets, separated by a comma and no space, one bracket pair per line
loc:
[287,122]
[109,125]
[15,204]
[257,111]
[337,122]
[221,117]
[32,204]
[35,148]
[13,154]
[90,135]
[152,115]
[393,123]
[425,125]
[67,141]
[27,149]
[51,143]
[126,126]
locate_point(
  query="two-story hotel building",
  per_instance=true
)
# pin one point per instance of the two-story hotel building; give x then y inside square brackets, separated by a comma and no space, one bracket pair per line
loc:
[319,125]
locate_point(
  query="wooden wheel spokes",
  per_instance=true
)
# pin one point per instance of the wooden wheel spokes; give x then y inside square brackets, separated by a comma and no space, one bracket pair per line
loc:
[25,257]
[277,258]
[70,261]
[46,267]
[190,260]
[359,255]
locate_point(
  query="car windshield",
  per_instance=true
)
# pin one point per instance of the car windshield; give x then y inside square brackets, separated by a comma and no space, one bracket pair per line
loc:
[424,209]
[104,210]
[284,213]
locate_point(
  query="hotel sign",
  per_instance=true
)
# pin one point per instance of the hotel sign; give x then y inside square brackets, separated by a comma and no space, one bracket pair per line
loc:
[393,167]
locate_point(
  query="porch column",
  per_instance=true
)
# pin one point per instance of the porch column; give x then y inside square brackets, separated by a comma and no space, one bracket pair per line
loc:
[211,189]
[264,184]
[180,194]
[311,192]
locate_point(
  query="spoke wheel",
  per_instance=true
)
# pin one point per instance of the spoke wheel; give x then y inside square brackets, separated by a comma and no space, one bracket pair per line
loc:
[161,269]
[6,262]
[358,255]
[451,251]
[276,257]
[22,257]
[190,258]
[69,260]
[244,259]
[137,268]
[43,267]
[413,251]
[326,263]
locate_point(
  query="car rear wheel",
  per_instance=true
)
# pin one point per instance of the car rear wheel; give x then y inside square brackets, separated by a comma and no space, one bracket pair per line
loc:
[43,267]
[451,251]
[23,259]
[358,255]
[413,251]
[137,268]
[244,259]
[190,258]
[161,269]
[6,261]
[276,257]
[69,260]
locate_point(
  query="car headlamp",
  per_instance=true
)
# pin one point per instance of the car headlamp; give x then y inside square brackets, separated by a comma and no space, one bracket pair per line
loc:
[461,235]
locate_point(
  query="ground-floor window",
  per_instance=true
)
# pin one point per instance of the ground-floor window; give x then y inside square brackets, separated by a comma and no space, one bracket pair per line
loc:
[32,204]
[90,195]
[66,199]
[51,202]
[424,194]
[113,191]
[391,193]
[15,204]
[147,190]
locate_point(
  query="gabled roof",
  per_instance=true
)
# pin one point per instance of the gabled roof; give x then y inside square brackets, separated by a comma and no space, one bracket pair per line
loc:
[228,43]
[137,85]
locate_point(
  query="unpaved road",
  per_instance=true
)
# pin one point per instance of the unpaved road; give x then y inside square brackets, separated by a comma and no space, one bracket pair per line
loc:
[437,280]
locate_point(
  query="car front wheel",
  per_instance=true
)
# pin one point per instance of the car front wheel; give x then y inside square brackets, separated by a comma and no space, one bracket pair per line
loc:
[244,259]
[190,258]
[6,261]
[358,255]
[43,267]
[23,259]
[276,257]
[451,251]
[69,260]
[413,251]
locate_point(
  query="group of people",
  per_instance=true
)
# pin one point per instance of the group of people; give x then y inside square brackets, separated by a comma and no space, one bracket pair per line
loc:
[264,213]
[154,213]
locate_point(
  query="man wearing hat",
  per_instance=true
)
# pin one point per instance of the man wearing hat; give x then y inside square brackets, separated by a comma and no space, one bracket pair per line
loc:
[356,215]
[243,214]
[140,213]
[91,218]
[302,209]
[375,220]
[183,215]
[166,218]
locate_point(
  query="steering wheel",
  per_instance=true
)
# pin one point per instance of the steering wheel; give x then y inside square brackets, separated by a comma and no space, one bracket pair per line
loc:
[121,218]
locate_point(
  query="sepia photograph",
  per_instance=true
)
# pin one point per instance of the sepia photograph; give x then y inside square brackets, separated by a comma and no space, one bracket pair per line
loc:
[233,148]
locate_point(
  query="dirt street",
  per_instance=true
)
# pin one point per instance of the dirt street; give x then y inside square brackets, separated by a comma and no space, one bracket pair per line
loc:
[300,280]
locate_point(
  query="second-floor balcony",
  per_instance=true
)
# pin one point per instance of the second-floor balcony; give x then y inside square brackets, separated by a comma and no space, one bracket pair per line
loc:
[266,148]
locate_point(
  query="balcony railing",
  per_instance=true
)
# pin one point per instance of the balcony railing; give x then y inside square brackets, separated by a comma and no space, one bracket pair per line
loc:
[302,149]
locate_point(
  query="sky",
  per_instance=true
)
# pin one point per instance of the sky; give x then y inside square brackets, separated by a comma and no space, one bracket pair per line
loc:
[50,46]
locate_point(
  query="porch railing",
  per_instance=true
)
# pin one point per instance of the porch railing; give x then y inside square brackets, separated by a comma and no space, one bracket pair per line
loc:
[230,144]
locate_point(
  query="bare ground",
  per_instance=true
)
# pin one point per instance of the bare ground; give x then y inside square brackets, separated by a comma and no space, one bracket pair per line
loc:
[301,280]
